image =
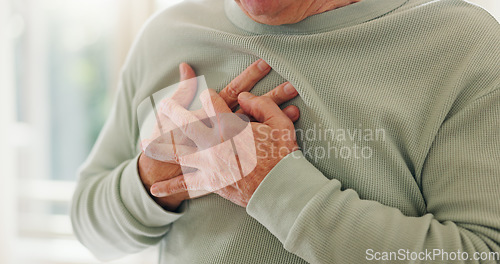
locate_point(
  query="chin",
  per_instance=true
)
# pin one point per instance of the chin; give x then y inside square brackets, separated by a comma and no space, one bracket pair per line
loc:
[260,8]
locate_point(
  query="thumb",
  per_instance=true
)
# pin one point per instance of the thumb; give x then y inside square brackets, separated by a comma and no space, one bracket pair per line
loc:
[264,110]
[186,71]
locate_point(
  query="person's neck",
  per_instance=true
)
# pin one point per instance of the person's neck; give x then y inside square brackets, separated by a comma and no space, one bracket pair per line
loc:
[290,15]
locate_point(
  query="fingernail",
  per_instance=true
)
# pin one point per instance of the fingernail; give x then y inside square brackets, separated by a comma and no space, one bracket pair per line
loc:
[245,96]
[262,65]
[289,89]
[154,191]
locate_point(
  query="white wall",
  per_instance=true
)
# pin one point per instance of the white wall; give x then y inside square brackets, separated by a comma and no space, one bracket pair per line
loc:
[493,6]
[7,154]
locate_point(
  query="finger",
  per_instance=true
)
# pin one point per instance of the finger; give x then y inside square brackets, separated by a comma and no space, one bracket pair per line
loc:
[168,152]
[214,106]
[241,112]
[169,187]
[185,120]
[292,112]
[176,185]
[188,85]
[186,71]
[282,93]
[264,110]
[213,103]
[197,194]
[155,140]
[244,82]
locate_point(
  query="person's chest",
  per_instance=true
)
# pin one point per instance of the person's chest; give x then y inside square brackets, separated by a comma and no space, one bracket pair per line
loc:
[368,117]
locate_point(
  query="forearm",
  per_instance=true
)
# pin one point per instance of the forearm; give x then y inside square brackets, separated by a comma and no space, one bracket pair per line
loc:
[113,217]
[319,222]
[112,213]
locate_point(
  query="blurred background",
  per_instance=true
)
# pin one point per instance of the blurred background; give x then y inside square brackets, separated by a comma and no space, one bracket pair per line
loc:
[59,66]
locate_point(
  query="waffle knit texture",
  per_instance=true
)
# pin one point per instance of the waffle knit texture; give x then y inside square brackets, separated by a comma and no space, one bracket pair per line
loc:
[403,101]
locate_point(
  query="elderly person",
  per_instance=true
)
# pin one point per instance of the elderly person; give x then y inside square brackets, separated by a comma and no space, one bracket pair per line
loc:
[399,136]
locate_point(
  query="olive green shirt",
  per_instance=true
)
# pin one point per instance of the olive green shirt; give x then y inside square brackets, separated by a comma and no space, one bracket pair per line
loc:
[399,134]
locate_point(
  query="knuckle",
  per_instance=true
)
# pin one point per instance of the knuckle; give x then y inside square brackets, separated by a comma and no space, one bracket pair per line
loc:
[178,186]
[232,90]
[274,94]
[174,187]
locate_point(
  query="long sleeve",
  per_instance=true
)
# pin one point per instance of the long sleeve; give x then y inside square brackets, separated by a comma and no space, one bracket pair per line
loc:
[425,72]
[320,222]
[112,213]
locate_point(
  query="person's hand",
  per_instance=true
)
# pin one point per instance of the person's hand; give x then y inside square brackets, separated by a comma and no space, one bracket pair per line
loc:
[152,170]
[230,160]
[157,169]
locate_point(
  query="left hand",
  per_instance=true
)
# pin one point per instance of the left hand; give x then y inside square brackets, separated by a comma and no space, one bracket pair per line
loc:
[273,138]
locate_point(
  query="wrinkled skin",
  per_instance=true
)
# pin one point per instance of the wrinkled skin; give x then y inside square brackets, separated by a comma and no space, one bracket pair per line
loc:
[260,148]
[154,169]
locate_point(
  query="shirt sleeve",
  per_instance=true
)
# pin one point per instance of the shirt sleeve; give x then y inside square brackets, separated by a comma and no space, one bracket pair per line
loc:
[318,221]
[112,213]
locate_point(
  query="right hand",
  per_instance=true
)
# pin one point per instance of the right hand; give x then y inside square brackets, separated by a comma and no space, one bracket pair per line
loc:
[154,170]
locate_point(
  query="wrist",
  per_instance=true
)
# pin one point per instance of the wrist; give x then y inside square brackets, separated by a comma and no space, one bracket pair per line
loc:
[170,203]
[138,202]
